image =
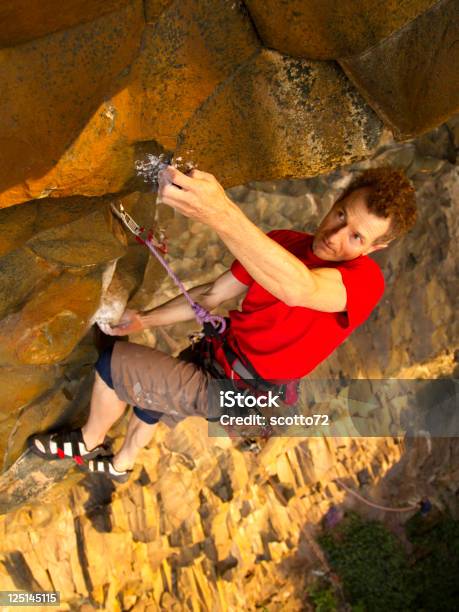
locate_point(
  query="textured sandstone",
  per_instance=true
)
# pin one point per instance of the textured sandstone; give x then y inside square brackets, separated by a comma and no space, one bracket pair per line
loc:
[410,79]
[50,289]
[20,223]
[52,322]
[220,545]
[318,29]
[171,67]
[63,401]
[22,20]
[194,46]
[149,71]
[19,387]
[86,242]
[51,88]
[21,271]
[279,117]
[154,8]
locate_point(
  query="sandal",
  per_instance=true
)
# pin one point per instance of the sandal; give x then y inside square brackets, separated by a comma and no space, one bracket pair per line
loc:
[104,465]
[64,445]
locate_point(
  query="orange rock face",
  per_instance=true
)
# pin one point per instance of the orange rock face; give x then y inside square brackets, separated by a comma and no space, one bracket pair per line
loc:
[411,77]
[193,46]
[326,29]
[279,117]
[85,88]
[22,20]
[55,260]
[171,67]
[53,321]
[19,387]
[50,89]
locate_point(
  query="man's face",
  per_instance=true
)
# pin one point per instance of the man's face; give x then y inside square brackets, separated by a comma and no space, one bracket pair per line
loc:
[349,229]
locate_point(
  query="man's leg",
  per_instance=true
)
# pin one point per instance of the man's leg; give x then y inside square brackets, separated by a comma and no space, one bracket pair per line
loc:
[138,435]
[162,385]
[106,408]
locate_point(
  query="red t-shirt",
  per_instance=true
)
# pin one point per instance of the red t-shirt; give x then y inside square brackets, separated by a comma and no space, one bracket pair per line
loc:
[286,342]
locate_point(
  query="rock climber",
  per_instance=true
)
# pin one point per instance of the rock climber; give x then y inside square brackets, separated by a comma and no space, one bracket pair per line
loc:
[304,294]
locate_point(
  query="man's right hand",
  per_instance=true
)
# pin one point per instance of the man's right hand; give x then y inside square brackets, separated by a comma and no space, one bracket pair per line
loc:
[131,322]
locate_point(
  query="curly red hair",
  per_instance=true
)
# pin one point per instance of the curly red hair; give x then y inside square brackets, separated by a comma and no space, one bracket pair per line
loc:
[392,195]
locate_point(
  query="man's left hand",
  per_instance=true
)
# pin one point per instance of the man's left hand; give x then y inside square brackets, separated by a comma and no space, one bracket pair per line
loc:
[197,195]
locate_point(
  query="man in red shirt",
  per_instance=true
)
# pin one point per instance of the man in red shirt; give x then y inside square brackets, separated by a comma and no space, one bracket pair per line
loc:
[304,295]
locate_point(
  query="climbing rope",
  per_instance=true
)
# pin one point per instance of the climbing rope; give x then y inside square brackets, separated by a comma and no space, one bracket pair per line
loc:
[202,315]
[424,505]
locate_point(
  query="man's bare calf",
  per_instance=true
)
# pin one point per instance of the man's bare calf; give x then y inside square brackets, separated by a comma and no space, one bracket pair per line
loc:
[106,408]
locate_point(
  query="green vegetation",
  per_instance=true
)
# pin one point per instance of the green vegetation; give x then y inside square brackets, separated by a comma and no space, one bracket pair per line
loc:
[371,564]
[435,573]
[378,574]
[323,598]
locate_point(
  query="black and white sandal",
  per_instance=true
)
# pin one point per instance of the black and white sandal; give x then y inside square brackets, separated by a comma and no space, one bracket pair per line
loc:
[65,445]
[104,465]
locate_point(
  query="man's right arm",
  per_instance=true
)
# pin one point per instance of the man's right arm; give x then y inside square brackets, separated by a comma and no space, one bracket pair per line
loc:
[176,310]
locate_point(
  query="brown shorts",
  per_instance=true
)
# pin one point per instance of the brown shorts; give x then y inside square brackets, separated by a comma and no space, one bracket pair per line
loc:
[153,380]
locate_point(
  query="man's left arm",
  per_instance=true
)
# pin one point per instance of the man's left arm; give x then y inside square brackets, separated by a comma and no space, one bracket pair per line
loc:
[201,197]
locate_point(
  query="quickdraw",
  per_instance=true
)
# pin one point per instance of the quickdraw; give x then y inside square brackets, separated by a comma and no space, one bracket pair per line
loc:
[134,227]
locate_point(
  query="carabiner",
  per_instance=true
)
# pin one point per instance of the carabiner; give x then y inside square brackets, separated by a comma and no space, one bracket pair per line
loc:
[127,219]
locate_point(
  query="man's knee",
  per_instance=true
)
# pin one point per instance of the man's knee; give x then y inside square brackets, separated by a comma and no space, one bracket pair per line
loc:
[103,366]
[147,416]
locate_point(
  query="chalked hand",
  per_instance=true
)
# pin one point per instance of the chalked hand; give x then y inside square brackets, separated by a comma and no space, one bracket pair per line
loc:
[131,322]
[197,195]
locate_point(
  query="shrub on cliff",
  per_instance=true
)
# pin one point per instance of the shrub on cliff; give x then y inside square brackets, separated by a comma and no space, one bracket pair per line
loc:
[371,564]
